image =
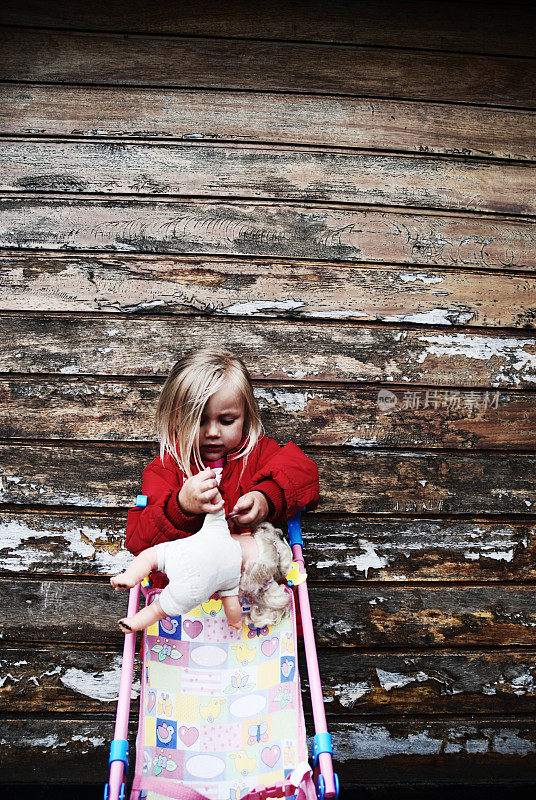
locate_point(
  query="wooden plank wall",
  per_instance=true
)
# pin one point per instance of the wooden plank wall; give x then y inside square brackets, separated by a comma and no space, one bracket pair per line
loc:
[344,194]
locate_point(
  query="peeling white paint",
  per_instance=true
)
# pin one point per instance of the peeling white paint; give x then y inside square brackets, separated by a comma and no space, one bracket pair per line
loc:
[485,551]
[338,313]
[376,600]
[72,369]
[483,348]
[375,741]
[522,684]
[49,742]
[509,742]
[348,694]
[369,559]
[103,686]
[20,549]
[96,741]
[363,741]
[300,373]
[290,401]
[434,316]
[357,442]
[395,680]
[342,626]
[255,306]
[476,745]
[419,276]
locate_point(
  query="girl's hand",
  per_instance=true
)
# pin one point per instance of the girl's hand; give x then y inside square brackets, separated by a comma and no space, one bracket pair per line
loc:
[251,509]
[200,494]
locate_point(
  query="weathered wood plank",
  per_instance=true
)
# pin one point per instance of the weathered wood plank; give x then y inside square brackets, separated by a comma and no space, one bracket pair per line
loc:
[267,229]
[58,751]
[273,350]
[58,542]
[454,550]
[498,751]
[95,58]
[438,26]
[336,550]
[255,171]
[425,616]
[455,751]
[62,680]
[67,681]
[376,123]
[368,616]
[188,285]
[104,410]
[386,684]
[369,482]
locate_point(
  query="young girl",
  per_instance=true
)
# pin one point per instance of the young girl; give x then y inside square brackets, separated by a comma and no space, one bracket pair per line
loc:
[213,560]
[207,412]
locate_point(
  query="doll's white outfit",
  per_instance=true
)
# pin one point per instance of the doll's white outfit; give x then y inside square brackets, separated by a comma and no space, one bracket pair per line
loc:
[208,561]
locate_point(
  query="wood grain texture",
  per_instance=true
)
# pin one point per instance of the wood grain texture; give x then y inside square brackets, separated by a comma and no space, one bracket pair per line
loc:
[385,616]
[439,26]
[457,751]
[363,482]
[63,543]
[337,550]
[62,680]
[58,752]
[121,59]
[282,118]
[188,285]
[253,171]
[62,408]
[385,150]
[277,351]
[268,229]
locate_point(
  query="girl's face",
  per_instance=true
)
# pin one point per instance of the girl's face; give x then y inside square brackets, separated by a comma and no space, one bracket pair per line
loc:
[222,422]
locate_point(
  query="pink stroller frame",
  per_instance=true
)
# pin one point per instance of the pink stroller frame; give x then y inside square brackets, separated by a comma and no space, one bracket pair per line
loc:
[325,780]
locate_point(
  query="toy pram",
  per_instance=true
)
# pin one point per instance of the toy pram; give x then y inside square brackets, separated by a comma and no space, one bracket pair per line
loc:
[221,713]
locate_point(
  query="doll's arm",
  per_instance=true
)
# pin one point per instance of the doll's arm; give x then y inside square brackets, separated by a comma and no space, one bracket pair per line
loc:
[233,611]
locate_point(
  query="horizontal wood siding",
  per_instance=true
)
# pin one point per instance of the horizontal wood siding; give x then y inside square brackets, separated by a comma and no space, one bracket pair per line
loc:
[344,195]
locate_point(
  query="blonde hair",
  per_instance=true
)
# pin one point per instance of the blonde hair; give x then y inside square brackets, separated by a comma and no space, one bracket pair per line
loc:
[191,381]
[269,600]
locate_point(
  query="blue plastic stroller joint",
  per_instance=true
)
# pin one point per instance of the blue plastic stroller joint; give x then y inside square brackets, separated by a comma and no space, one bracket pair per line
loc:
[321,787]
[294,529]
[121,791]
[119,751]
[141,500]
[321,744]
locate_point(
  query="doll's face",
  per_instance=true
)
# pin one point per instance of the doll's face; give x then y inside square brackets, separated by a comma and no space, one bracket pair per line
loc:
[222,423]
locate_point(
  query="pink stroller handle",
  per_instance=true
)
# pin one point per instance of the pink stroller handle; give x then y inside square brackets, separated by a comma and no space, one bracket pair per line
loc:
[322,740]
[115,789]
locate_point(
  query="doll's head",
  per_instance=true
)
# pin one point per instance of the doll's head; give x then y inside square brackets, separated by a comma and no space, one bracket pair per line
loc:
[185,396]
[269,600]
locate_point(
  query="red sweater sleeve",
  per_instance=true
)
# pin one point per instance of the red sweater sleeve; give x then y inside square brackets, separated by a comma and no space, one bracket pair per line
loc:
[162,519]
[294,473]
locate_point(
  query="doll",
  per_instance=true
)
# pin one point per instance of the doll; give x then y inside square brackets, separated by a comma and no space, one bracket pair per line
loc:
[214,560]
